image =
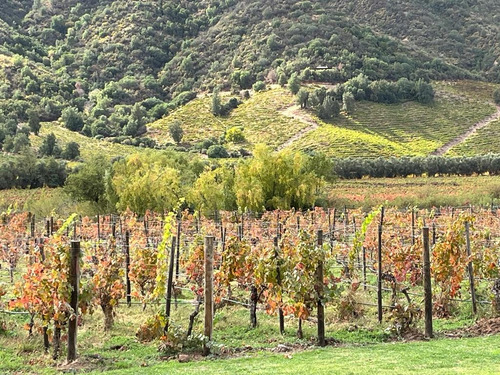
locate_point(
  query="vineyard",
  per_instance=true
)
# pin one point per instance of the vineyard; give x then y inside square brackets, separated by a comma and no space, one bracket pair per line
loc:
[292,265]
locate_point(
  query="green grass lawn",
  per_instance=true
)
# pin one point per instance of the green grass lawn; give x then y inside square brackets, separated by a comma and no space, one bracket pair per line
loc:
[457,356]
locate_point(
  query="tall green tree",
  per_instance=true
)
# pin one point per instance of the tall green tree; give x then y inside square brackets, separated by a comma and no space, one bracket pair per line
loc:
[146,182]
[276,180]
[294,83]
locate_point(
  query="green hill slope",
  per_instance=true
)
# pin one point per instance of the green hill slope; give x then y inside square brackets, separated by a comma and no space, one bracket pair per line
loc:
[374,129]
[124,64]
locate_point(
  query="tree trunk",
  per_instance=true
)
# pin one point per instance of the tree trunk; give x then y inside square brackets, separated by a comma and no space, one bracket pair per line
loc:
[254,297]
[193,315]
[108,316]
[300,334]
[57,341]
[46,343]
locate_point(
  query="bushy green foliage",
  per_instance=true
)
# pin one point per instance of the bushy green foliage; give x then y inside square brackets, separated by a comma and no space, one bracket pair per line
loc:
[276,180]
[175,131]
[235,135]
[496,96]
[217,152]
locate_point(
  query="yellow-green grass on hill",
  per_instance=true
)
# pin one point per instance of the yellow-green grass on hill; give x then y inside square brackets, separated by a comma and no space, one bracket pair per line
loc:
[89,147]
[259,116]
[409,128]
[484,141]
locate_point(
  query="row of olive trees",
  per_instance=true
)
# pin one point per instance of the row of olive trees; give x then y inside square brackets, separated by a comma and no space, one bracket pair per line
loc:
[417,166]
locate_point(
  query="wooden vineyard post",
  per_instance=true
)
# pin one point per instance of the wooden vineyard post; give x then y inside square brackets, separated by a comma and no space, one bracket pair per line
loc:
[47,228]
[52,225]
[170,281]
[32,226]
[427,284]
[278,280]
[319,291]
[177,257]
[209,303]
[470,269]
[127,268]
[413,226]
[379,275]
[364,268]
[98,228]
[74,276]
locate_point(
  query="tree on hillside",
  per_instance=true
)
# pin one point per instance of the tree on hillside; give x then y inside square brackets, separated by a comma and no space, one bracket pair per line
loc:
[294,83]
[424,92]
[72,119]
[49,146]
[282,79]
[303,97]
[71,151]
[34,121]
[216,107]
[496,96]
[329,109]
[175,131]
[348,102]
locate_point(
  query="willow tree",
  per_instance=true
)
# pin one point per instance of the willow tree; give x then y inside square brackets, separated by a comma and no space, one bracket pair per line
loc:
[146,182]
[272,180]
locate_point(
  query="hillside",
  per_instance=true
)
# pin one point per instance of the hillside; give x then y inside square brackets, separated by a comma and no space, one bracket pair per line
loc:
[122,65]
[373,129]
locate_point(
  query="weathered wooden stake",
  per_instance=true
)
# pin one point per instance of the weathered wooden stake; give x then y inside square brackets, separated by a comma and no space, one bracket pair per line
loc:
[177,257]
[170,282]
[319,291]
[364,268]
[74,277]
[98,228]
[413,226]
[278,279]
[209,303]
[470,269]
[127,268]
[379,276]
[427,284]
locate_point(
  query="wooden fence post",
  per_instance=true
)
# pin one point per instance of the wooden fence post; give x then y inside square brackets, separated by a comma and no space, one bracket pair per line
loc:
[427,284]
[32,226]
[209,303]
[278,279]
[177,257]
[413,226]
[379,275]
[470,269]
[74,276]
[98,228]
[170,281]
[319,291]
[127,268]
[364,268]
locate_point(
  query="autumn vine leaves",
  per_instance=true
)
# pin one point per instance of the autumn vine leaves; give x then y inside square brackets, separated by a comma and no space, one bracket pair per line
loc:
[271,262]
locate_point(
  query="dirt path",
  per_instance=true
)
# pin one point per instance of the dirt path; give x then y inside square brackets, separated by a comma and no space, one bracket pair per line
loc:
[296,113]
[461,138]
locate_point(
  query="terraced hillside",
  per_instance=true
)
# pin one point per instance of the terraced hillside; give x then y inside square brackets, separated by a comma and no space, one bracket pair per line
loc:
[374,129]
[484,141]
[409,128]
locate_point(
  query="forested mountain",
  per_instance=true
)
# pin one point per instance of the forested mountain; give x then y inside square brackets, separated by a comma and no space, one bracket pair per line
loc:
[115,65]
